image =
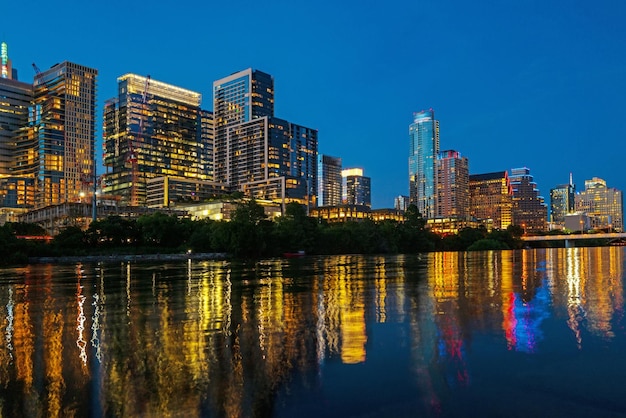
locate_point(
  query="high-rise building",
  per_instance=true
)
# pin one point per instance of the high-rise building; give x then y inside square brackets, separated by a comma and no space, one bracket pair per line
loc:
[424,147]
[356,188]
[15,101]
[153,129]
[328,180]
[562,203]
[255,152]
[452,185]
[491,199]
[57,148]
[603,205]
[401,203]
[529,209]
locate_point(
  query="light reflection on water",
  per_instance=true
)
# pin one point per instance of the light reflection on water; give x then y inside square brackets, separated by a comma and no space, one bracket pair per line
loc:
[442,334]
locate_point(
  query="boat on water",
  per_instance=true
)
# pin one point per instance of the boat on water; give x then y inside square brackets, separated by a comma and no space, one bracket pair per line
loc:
[296,254]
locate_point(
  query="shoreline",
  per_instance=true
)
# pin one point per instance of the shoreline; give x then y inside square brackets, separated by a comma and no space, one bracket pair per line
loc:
[126,258]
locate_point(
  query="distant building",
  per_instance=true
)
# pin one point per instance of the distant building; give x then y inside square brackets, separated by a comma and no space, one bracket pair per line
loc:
[529,209]
[452,185]
[356,188]
[401,203]
[562,202]
[423,150]
[491,199]
[603,205]
[328,180]
[152,129]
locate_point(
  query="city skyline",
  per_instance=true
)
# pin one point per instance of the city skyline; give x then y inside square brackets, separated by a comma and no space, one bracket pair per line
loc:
[521,76]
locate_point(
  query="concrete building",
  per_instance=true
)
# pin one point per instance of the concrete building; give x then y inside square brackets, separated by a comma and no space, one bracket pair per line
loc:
[452,185]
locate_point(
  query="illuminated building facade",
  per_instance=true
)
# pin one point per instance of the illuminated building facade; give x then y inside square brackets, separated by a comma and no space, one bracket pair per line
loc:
[401,203]
[328,180]
[561,203]
[529,209]
[452,184]
[356,188]
[424,147]
[255,152]
[153,129]
[57,147]
[491,198]
[15,101]
[603,205]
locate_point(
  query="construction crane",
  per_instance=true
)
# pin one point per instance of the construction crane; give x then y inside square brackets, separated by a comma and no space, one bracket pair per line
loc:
[132,151]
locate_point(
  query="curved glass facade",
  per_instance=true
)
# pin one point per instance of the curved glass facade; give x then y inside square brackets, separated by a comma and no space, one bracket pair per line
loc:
[424,147]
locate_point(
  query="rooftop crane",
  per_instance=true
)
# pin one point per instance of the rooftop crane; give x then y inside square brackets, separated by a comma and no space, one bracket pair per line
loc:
[132,151]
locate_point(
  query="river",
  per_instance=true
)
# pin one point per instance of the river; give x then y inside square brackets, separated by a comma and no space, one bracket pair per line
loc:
[481,334]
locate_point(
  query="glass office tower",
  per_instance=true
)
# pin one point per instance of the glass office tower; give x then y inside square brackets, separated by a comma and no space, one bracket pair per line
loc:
[329,180]
[58,145]
[424,147]
[604,205]
[491,199]
[255,152]
[356,189]
[529,210]
[562,203]
[152,129]
[16,98]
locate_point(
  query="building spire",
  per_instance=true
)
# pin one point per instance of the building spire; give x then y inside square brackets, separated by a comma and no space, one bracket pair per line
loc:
[571,180]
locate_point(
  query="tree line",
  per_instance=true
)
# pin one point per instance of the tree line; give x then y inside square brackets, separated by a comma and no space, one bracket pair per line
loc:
[249,234]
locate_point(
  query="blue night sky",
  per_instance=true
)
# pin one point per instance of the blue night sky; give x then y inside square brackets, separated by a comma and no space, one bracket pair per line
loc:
[539,84]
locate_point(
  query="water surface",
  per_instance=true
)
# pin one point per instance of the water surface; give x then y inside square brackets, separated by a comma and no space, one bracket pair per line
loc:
[486,334]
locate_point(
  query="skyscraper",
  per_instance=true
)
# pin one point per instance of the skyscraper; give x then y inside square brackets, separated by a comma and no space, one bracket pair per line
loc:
[452,184]
[491,198]
[328,180]
[255,152]
[529,210]
[604,205]
[562,202]
[424,147]
[16,98]
[356,189]
[153,129]
[57,147]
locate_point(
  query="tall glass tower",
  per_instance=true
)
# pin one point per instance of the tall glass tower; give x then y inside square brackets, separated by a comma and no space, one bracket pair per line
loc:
[424,148]
[58,147]
[152,129]
[328,180]
[254,152]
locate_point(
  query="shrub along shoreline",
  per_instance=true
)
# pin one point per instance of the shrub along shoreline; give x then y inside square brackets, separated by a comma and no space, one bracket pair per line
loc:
[248,234]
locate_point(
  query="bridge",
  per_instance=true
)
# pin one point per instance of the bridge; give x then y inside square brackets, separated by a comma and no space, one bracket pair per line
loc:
[618,237]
